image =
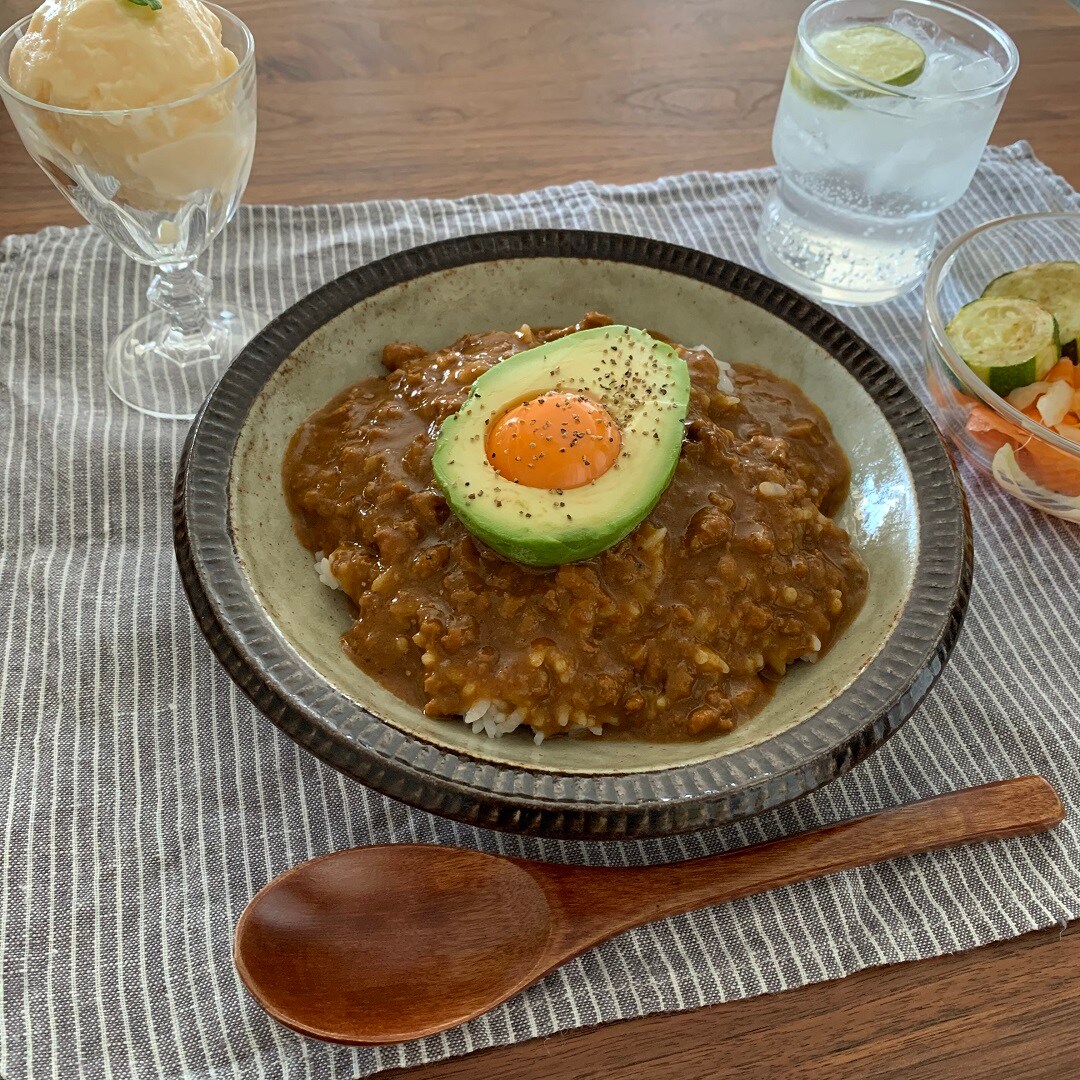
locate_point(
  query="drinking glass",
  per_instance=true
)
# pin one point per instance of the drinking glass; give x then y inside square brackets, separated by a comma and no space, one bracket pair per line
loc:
[866,167]
[160,182]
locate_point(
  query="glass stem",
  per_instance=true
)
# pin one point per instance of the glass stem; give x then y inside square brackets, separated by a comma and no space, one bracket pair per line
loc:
[183,294]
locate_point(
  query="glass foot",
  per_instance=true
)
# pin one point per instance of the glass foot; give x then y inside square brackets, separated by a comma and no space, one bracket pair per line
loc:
[832,254]
[155,368]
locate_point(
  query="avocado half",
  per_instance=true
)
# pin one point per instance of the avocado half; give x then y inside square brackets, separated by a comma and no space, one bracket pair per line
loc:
[645,386]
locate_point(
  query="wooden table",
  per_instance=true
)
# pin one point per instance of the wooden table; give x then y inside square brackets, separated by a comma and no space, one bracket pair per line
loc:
[363,99]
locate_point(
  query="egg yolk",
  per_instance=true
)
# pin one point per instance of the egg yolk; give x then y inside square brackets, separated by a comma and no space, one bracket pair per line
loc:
[554,441]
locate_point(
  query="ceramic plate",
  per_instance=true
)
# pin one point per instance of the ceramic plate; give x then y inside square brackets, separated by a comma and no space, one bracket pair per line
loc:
[276,628]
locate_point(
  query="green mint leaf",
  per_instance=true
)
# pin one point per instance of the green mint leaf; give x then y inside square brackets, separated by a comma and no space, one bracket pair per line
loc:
[153,5]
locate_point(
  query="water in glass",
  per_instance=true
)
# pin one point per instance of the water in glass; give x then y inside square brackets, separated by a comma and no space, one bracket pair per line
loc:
[865,167]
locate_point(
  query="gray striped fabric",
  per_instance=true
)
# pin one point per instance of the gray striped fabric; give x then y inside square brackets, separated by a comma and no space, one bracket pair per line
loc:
[143,801]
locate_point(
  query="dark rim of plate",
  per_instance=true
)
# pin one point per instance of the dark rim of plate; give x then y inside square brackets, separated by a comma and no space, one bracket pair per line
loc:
[604,806]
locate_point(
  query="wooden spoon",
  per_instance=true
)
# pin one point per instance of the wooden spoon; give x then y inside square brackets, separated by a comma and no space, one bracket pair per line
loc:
[388,943]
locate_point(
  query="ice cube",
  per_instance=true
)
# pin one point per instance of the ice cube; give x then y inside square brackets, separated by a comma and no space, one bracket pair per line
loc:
[957,67]
[977,73]
[924,31]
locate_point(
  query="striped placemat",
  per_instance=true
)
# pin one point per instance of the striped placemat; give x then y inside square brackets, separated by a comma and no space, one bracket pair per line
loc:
[143,802]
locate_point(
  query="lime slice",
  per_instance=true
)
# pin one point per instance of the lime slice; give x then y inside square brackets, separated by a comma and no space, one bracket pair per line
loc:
[877,53]
[1007,342]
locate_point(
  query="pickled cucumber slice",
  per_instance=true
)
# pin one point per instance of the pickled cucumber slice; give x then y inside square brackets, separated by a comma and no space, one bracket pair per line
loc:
[1054,286]
[1006,341]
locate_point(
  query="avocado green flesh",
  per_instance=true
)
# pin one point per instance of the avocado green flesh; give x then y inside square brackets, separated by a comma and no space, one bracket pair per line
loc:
[645,386]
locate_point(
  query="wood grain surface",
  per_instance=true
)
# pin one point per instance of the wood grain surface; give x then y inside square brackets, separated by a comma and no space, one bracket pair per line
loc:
[1003,1012]
[362,99]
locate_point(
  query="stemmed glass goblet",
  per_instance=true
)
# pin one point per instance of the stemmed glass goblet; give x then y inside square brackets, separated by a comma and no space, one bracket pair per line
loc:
[160,182]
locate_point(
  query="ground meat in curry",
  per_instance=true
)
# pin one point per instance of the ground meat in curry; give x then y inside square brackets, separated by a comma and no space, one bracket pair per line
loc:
[677,632]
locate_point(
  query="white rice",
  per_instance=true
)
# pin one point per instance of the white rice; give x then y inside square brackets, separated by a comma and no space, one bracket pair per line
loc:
[723,379]
[326,575]
[492,719]
[814,655]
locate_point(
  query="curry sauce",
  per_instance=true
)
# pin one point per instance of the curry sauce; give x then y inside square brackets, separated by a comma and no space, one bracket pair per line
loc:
[678,631]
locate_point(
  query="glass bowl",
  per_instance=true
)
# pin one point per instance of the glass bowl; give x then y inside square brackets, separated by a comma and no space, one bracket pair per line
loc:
[1023,457]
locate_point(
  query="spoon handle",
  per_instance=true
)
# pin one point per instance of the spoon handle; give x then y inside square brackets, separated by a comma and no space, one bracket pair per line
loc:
[994,811]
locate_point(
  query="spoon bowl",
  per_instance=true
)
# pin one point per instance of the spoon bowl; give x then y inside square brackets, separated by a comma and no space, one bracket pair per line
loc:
[395,942]
[357,933]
